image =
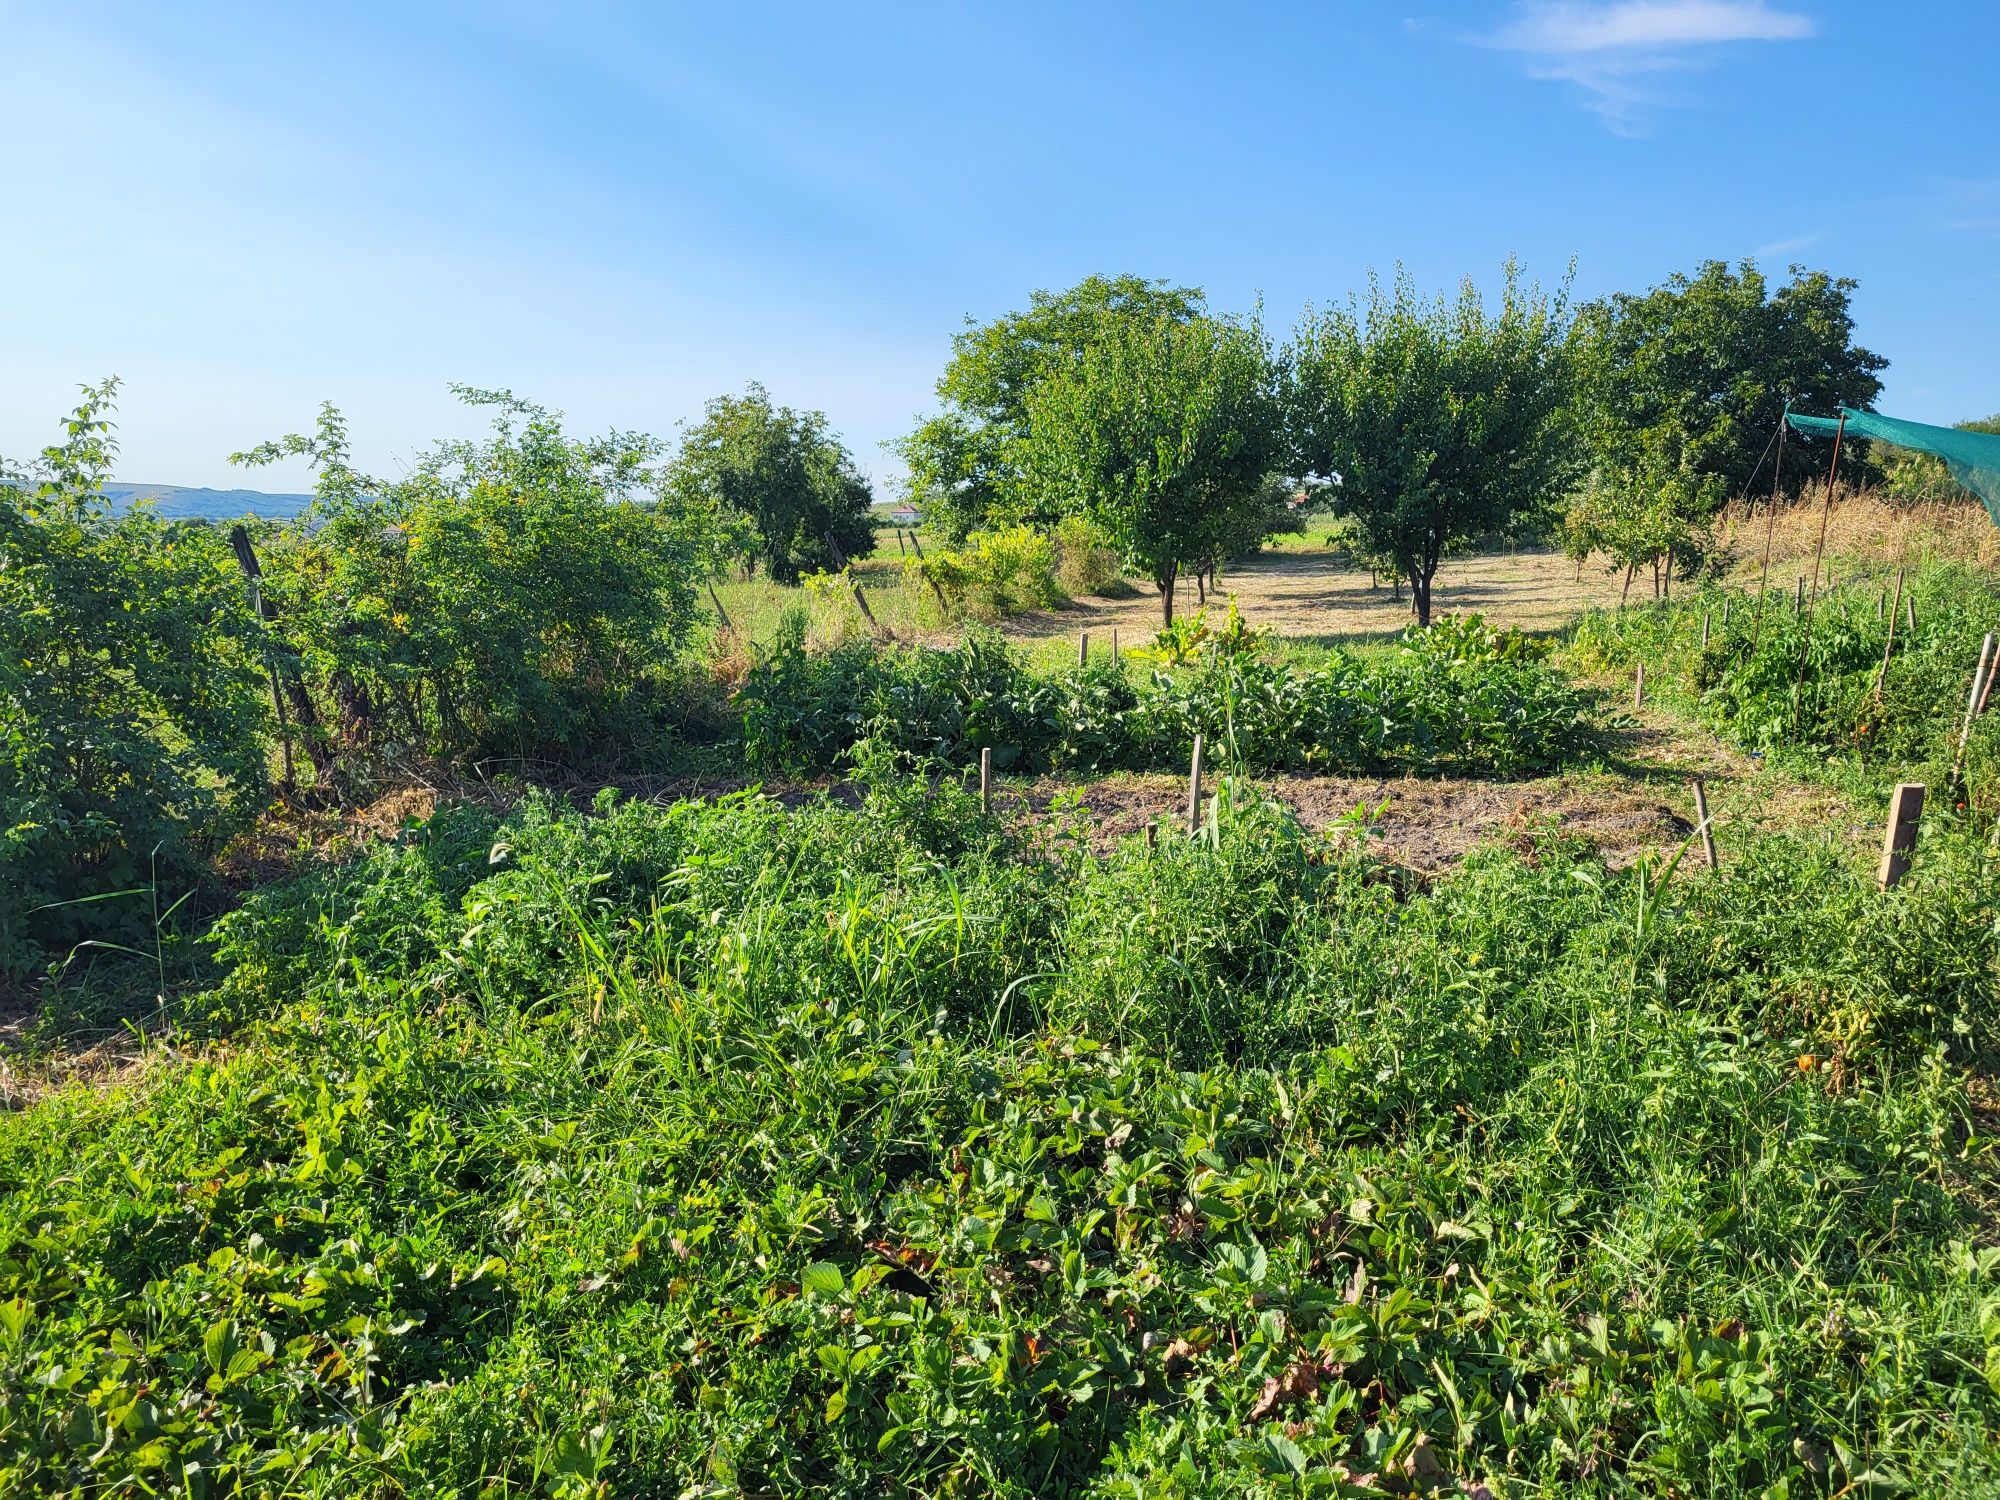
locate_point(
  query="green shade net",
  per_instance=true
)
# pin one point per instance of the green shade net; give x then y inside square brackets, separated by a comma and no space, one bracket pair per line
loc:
[1972,457]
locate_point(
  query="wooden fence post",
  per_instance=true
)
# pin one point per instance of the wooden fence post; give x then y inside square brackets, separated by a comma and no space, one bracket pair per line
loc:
[1638,684]
[1707,824]
[901,550]
[985,780]
[1194,789]
[1114,646]
[1899,840]
[720,613]
[293,691]
[1083,649]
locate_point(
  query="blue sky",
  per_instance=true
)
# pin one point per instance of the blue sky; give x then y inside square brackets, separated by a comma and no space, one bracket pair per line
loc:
[620,210]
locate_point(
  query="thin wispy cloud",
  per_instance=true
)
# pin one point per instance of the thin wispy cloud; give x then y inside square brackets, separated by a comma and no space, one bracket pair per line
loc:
[1795,245]
[1622,56]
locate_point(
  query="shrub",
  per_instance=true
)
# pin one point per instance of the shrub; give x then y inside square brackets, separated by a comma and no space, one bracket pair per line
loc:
[132,702]
[508,598]
[995,574]
[1086,561]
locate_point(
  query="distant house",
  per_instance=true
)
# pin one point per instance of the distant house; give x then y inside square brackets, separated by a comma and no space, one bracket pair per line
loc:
[904,515]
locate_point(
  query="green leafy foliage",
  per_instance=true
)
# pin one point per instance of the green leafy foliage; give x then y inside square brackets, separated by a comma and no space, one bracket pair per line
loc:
[1443,421]
[1466,698]
[1163,433]
[782,476]
[1703,366]
[965,473]
[132,702]
[508,598]
[1747,685]
[730,1148]
[993,574]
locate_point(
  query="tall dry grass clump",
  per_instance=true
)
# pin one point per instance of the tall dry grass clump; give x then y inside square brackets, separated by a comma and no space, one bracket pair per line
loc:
[1866,524]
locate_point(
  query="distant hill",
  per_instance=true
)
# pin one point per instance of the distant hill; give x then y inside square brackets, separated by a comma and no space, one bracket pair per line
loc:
[182,500]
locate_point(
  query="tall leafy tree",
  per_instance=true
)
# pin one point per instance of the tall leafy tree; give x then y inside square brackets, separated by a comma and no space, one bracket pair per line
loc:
[963,467]
[784,473]
[1162,431]
[1443,420]
[1704,363]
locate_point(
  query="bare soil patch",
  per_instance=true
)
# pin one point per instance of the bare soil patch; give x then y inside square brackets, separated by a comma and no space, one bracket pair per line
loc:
[1313,595]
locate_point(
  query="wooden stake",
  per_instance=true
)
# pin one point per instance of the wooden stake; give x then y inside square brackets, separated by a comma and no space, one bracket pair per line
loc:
[1899,840]
[1194,789]
[860,598]
[1152,835]
[720,613]
[1799,597]
[1638,684]
[901,550]
[1889,644]
[985,780]
[1083,649]
[1881,600]
[1707,824]
[1704,628]
[1910,612]
[1972,702]
[1725,612]
[1114,646]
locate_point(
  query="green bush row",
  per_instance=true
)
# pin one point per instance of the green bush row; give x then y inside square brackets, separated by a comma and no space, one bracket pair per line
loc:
[1447,699]
[731,1149]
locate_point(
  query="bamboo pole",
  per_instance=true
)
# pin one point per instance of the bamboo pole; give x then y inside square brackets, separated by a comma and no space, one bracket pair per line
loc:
[1825,514]
[1770,527]
[1889,644]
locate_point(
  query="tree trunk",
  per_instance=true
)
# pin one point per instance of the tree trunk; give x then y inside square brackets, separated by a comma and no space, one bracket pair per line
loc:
[1667,584]
[1200,589]
[1630,568]
[1420,599]
[1166,586]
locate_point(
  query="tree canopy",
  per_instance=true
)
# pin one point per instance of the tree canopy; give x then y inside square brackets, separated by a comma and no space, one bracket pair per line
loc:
[1703,365]
[964,470]
[1163,431]
[1441,420]
[784,473]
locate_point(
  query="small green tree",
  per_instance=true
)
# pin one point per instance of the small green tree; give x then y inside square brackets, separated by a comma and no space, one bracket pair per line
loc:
[1161,432]
[964,469]
[1443,421]
[1653,512]
[784,473]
